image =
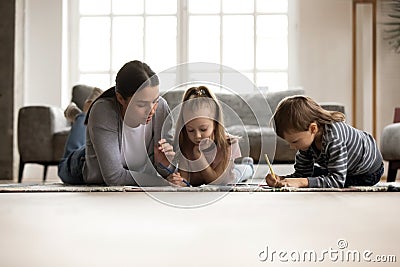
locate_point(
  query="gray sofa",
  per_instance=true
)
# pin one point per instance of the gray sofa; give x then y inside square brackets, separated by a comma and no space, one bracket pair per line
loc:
[258,138]
[251,122]
[43,131]
[390,139]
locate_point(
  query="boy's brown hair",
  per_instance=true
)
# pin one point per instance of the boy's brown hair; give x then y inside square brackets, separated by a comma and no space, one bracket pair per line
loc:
[296,113]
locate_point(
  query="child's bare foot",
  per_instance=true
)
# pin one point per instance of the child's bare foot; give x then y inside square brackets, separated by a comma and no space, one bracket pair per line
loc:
[91,98]
[71,112]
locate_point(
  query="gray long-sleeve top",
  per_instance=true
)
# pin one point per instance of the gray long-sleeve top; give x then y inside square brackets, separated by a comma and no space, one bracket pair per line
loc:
[103,164]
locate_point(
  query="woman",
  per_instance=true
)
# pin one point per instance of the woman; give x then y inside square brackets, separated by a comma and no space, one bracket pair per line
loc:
[124,119]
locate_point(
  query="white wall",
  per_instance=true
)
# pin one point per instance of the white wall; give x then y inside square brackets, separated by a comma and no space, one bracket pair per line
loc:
[43,65]
[323,35]
[18,72]
[388,82]
[324,59]
[388,78]
[324,50]
[43,52]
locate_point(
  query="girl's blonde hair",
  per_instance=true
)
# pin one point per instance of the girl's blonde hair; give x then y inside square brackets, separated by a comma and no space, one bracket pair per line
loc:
[197,99]
[296,113]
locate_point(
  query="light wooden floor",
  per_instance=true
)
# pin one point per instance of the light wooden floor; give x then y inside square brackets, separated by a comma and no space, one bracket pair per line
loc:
[133,229]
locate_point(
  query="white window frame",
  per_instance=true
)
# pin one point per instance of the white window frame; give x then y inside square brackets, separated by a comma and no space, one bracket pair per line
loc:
[182,40]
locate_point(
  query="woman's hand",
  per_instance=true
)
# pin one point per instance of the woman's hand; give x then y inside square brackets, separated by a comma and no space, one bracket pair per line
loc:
[164,152]
[176,179]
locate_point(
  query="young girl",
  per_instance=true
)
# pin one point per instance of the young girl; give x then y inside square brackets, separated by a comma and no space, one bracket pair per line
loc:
[205,151]
[345,156]
[114,143]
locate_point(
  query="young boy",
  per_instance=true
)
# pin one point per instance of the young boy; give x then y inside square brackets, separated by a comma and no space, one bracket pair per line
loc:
[330,153]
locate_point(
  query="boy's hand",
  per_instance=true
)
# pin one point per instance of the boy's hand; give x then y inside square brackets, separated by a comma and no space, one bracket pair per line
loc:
[275,181]
[291,182]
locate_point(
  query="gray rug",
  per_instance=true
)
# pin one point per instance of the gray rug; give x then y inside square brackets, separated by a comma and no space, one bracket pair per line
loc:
[60,187]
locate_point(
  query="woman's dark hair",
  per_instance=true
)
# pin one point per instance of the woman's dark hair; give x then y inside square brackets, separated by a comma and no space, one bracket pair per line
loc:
[133,76]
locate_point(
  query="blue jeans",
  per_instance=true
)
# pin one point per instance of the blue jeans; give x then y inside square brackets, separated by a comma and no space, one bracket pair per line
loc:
[367,179]
[70,166]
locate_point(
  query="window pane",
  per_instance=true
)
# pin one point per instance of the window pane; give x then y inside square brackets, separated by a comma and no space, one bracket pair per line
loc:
[272,47]
[250,76]
[275,81]
[161,6]
[272,25]
[94,44]
[168,80]
[272,53]
[127,40]
[204,45]
[94,7]
[99,80]
[238,6]
[153,38]
[238,42]
[214,77]
[204,6]
[161,42]
[236,83]
[272,6]
[122,7]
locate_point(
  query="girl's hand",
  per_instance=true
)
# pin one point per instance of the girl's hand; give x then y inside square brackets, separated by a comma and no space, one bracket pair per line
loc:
[275,181]
[176,179]
[164,152]
[196,151]
[205,144]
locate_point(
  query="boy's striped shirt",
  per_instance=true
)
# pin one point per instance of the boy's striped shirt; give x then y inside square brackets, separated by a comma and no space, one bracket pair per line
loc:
[345,151]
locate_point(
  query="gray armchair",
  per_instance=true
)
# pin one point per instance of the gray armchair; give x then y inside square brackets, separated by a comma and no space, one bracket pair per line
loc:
[43,131]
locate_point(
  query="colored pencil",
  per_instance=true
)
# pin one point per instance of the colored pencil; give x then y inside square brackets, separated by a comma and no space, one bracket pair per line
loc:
[269,165]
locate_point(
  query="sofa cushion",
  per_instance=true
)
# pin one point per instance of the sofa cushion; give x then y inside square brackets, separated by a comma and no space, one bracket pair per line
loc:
[255,108]
[333,106]
[274,98]
[256,141]
[79,94]
[173,97]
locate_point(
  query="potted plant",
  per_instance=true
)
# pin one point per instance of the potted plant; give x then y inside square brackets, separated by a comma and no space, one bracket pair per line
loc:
[392,30]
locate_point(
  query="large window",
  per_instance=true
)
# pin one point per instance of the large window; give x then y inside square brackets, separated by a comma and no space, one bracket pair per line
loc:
[250,36]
